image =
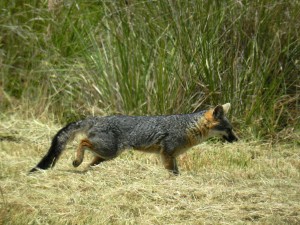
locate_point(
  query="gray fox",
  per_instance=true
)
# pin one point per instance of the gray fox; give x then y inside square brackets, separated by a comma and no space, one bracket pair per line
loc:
[168,135]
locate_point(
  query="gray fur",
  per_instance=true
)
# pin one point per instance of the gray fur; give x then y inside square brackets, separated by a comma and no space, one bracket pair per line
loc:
[113,134]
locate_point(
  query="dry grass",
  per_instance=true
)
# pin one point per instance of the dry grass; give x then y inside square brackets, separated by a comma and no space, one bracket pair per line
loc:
[219,184]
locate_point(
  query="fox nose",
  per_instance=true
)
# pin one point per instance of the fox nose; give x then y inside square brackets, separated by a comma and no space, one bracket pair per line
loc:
[231,137]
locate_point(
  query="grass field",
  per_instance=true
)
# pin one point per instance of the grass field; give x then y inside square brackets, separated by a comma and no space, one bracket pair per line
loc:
[238,183]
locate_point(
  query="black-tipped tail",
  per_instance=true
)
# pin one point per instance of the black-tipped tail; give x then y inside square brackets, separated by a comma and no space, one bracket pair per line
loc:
[47,161]
[52,155]
[58,145]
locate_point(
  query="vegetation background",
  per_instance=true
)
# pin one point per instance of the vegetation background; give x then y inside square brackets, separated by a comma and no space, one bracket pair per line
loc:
[61,60]
[76,58]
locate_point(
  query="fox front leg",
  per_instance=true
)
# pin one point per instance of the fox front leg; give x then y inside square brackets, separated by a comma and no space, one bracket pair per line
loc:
[170,163]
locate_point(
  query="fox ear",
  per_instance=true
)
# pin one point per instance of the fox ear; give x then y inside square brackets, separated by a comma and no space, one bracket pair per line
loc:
[218,112]
[226,107]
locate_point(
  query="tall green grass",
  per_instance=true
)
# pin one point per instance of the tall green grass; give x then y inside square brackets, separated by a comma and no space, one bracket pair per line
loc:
[153,57]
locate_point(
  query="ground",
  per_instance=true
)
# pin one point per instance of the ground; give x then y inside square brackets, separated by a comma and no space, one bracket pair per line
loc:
[241,183]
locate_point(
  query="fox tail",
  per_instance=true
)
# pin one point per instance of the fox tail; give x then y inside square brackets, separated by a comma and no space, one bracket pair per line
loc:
[59,143]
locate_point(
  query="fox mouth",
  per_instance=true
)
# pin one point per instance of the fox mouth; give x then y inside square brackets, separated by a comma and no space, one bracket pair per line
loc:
[230,138]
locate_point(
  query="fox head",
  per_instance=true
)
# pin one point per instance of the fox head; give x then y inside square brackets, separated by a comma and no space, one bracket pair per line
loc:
[219,124]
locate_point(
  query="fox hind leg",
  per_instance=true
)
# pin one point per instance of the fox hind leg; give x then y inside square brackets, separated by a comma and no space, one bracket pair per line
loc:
[103,150]
[97,160]
[85,143]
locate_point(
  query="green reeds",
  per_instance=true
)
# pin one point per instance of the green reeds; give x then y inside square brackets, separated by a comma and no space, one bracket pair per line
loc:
[154,57]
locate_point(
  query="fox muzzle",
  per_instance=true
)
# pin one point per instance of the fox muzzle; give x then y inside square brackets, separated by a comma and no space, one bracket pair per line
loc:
[230,137]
